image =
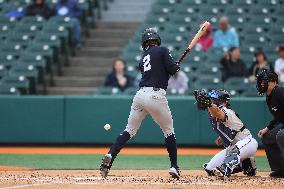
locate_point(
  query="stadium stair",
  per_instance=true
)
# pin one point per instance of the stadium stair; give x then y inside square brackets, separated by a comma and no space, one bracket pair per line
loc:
[125,10]
[93,62]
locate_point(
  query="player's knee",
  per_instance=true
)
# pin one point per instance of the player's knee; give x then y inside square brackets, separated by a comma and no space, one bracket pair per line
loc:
[168,132]
[132,132]
[280,138]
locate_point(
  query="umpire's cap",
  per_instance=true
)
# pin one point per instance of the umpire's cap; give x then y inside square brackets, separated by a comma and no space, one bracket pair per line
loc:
[150,34]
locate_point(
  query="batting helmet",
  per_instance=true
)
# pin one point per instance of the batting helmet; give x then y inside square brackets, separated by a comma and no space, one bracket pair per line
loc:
[148,35]
[262,79]
[219,96]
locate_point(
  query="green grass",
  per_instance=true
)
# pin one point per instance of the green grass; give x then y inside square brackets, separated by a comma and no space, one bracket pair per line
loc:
[122,161]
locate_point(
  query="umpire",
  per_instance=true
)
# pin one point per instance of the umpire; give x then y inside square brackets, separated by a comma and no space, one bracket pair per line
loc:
[273,135]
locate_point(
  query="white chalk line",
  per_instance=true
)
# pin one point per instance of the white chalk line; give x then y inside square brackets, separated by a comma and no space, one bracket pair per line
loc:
[26,185]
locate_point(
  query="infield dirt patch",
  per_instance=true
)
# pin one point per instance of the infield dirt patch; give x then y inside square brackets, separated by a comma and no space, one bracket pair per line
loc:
[124,179]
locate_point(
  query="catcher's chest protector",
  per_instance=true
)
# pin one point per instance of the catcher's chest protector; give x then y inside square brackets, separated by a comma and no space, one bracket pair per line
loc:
[227,135]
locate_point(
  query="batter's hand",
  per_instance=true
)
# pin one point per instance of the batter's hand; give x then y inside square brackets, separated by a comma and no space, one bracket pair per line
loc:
[218,141]
[262,132]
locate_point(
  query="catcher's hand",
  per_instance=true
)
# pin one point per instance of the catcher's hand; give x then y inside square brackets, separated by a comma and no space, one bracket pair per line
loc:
[202,99]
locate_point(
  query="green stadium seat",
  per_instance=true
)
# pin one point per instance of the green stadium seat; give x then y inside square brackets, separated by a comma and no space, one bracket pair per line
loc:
[268,2]
[5,90]
[208,83]
[237,85]
[193,3]
[21,83]
[276,30]
[166,2]
[33,21]
[131,56]
[218,3]
[187,10]
[277,39]
[214,60]
[6,28]
[211,10]
[131,91]
[28,71]
[237,20]
[178,29]
[162,10]
[260,10]
[262,21]
[257,39]
[252,29]
[233,10]
[279,20]
[209,70]
[37,61]
[3,71]
[192,76]
[183,19]
[7,20]
[156,20]
[62,33]
[19,38]
[108,91]
[45,51]
[12,49]
[244,3]
[247,57]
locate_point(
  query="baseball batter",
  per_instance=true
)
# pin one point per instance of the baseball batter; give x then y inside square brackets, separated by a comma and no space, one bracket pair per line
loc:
[156,66]
[239,143]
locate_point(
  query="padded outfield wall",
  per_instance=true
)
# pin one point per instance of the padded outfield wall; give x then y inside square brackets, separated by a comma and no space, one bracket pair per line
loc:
[80,120]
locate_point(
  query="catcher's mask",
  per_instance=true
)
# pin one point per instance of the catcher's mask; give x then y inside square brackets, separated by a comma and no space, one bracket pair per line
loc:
[150,34]
[263,78]
[219,97]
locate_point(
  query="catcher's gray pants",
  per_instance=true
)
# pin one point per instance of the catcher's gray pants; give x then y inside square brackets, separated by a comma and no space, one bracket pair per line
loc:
[273,142]
[148,101]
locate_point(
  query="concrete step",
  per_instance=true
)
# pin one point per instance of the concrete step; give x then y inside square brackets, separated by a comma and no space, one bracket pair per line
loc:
[86,71]
[79,81]
[99,52]
[116,25]
[98,42]
[81,91]
[116,33]
[90,61]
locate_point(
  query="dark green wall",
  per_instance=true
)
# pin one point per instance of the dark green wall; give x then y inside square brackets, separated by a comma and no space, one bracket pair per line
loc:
[35,119]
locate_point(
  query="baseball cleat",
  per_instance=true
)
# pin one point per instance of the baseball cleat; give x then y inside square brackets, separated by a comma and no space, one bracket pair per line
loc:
[106,165]
[174,172]
[225,170]
[209,172]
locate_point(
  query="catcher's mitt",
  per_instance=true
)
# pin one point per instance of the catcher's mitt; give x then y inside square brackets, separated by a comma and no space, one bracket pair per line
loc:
[202,99]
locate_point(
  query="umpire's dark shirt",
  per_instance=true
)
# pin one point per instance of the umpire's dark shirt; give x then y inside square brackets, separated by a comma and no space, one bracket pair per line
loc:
[275,103]
[156,66]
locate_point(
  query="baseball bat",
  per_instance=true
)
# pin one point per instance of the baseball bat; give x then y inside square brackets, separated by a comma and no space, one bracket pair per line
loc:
[196,38]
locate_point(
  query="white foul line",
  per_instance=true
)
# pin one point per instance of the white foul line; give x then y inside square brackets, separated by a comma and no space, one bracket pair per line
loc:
[25,185]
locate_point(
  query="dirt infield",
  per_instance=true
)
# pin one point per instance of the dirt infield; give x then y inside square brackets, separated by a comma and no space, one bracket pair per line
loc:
[118,179]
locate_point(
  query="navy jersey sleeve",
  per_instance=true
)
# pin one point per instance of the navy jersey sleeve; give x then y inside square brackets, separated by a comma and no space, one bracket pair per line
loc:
[171,66]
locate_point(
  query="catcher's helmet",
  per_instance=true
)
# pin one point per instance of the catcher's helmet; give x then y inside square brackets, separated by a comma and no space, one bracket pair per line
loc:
[219,96]
[150,34]
[262,79]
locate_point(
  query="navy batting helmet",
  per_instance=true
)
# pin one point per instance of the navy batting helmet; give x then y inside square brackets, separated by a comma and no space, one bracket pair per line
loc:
[262,79]
[219,96]
[150,34]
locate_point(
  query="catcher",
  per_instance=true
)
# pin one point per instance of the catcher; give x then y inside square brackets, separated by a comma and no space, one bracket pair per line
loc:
[240,146]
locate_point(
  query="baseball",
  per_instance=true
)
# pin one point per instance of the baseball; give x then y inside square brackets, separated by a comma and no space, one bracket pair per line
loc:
[107,126]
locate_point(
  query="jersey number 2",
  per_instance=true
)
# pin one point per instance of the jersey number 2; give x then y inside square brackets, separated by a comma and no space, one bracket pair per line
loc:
[146,63]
